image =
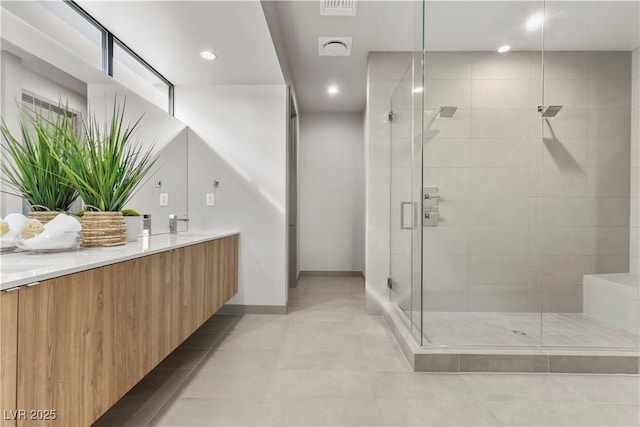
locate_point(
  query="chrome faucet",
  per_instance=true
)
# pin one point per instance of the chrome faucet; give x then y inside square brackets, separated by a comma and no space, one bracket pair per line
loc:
[173,223]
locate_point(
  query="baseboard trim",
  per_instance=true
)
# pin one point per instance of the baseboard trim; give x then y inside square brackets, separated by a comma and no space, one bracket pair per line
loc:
[332,273]
[252,309]
[295,285]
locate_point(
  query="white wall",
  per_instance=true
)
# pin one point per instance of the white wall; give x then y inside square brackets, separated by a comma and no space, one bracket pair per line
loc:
[237,136]
[54,92]
[10,72]
[331,192]
[634,236]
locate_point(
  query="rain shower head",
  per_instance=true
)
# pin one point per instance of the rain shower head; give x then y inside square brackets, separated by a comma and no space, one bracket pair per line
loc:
[447,111]
[550,111]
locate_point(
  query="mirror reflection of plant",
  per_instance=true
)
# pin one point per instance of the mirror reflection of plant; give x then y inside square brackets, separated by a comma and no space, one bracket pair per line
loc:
[106,166]
[34,166]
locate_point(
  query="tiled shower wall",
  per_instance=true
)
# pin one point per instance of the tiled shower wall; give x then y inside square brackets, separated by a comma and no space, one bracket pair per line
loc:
[526,204]
[634,236]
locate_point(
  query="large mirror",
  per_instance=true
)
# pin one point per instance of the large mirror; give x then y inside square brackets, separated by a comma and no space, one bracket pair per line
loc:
[51,55]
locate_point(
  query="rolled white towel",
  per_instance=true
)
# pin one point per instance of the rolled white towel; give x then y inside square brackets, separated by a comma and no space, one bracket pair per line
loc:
[60,225]
[59,233]
[16,223]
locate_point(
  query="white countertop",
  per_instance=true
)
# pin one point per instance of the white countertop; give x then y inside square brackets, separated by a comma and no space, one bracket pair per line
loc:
[23,268]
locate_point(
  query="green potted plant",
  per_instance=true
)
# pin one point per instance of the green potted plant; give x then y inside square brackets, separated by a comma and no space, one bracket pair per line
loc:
[134,224]
[32,162]
[105,166]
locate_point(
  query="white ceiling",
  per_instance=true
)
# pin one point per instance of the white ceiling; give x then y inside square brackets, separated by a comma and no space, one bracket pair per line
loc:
[569,25]
[450,25]
[169,35]
[377,26]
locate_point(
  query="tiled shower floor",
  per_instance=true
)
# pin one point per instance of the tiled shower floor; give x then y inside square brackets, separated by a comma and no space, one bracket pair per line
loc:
[558,329]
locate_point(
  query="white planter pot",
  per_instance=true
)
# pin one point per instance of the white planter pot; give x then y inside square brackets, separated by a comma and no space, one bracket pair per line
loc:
[134,227]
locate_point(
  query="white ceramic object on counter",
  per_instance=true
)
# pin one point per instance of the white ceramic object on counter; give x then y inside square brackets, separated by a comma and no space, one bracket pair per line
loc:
[134,227]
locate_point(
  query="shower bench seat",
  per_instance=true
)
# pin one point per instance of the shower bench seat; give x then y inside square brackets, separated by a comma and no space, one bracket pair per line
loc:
[613,299]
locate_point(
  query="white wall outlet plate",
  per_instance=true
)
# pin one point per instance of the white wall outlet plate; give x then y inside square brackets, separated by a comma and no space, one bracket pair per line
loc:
[211,199]
[164,199]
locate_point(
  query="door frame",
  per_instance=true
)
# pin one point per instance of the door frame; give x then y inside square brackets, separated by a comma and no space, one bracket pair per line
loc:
[292,190]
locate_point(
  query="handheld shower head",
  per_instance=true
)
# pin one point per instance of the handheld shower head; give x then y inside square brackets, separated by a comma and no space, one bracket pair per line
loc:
[447,111]
[550,111]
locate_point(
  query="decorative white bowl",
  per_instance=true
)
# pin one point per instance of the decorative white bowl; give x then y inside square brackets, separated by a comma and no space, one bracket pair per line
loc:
[43,243]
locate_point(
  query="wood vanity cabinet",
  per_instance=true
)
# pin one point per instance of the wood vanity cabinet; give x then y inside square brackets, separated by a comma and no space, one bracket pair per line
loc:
[85,339]
[8,353]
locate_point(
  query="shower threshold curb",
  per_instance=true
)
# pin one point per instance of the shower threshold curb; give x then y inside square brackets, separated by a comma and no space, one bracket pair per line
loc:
[503,359]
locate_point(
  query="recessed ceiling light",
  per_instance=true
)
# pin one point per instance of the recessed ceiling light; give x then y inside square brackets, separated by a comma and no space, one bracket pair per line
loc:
[504,48]
[418,89]
[333,90]
[535,21]
[208,55]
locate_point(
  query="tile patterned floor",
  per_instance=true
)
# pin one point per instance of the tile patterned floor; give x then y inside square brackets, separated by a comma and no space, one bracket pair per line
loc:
[558,329]
[328,363]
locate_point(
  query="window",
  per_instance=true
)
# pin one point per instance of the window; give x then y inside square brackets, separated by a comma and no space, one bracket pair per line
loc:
[31,102]
[131,70]
[83,35]
[118,60]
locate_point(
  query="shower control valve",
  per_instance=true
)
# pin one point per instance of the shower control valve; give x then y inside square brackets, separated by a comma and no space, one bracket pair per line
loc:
[430,193]
[430,216]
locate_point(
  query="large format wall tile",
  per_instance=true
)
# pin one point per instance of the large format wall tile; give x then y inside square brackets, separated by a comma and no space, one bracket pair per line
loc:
[448,65]
[492,66]
[566,65]
[610,65]
[518,152]
[528,205]
[447,92]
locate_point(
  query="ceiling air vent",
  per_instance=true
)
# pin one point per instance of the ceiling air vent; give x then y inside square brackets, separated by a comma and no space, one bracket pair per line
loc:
[334,46]
[338,7]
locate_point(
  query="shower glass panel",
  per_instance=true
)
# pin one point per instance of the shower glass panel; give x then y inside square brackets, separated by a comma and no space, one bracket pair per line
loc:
[405,291]
[589,233]
[405,119]
[482,156]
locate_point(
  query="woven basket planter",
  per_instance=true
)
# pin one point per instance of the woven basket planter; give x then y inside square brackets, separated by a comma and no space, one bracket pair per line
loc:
[103,229]
[43,216]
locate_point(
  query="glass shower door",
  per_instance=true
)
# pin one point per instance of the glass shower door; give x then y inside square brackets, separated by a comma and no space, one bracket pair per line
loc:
[405,178]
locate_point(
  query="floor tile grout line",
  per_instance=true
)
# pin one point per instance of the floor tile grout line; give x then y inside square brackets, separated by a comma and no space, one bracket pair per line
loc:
[190,374]
[473,389]
[497,418]
[556,402]
[570,387]
[526,374]
[610,414]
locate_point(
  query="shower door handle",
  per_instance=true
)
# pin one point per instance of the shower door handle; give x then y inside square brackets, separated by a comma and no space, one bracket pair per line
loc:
[403,226]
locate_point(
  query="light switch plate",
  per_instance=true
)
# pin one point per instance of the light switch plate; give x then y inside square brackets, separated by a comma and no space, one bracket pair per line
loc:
[211,199]
[164,199]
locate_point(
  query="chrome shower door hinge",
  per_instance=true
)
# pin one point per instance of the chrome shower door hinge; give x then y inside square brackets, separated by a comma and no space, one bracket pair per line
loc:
[389,283]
